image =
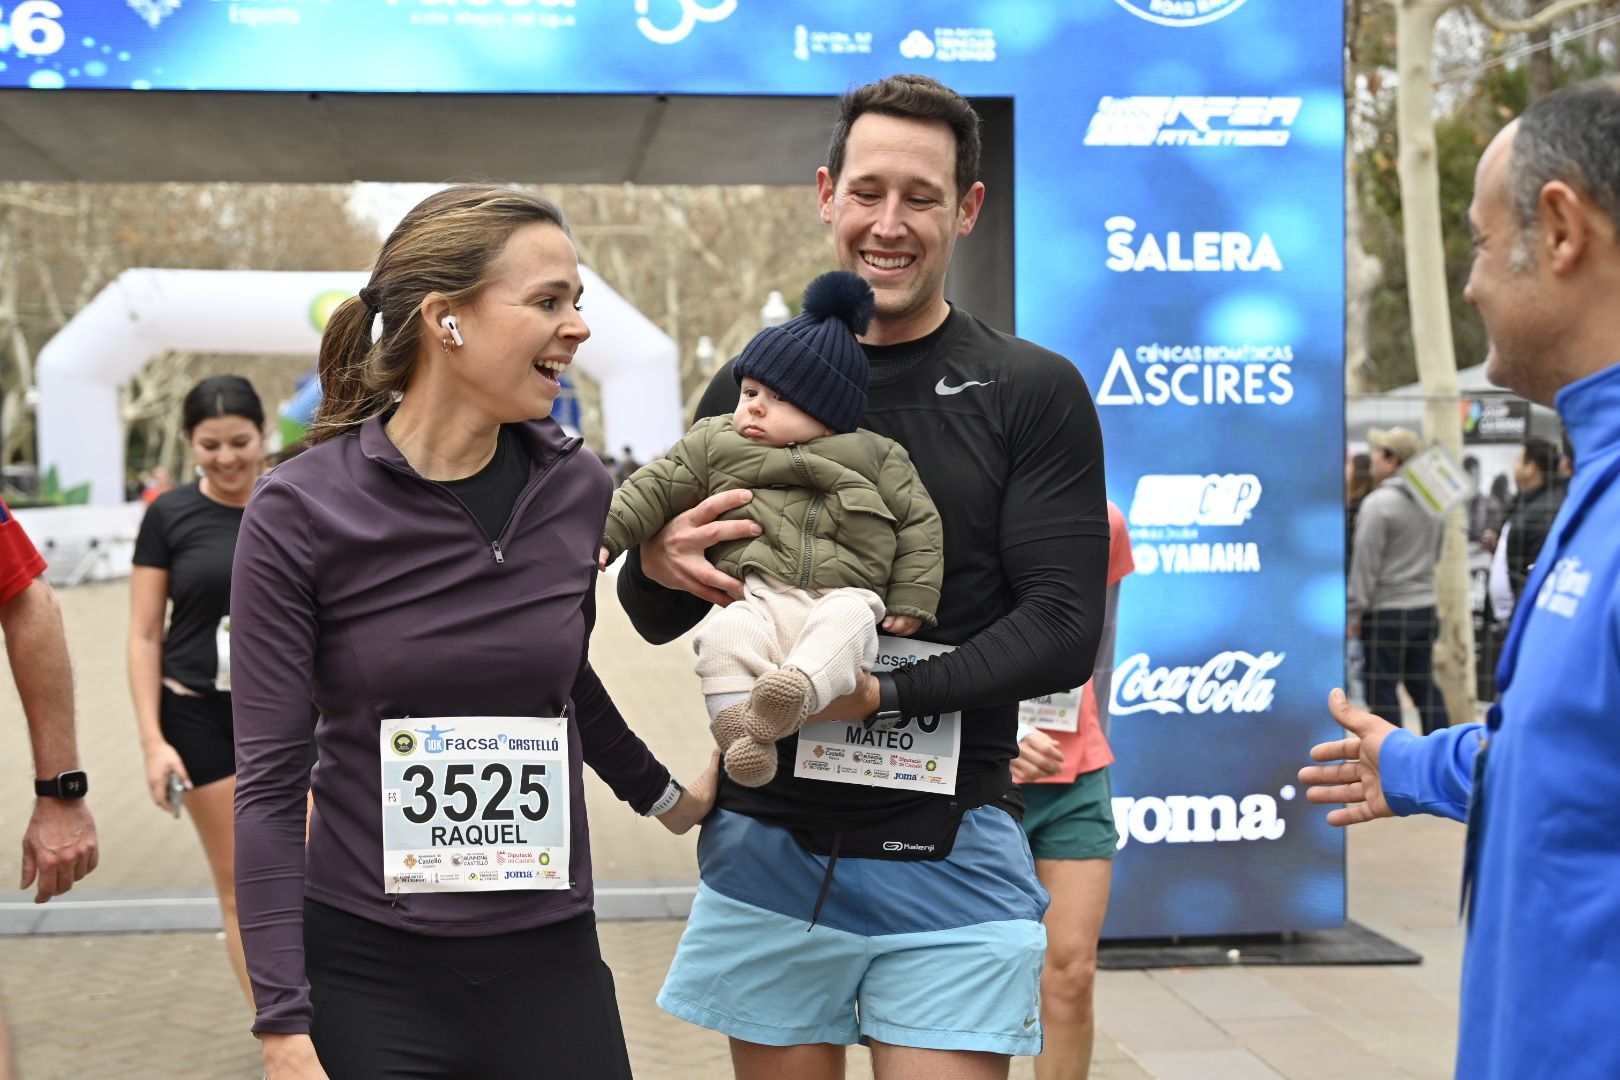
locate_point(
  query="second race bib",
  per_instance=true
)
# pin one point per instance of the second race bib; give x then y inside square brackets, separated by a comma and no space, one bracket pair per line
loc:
[1052,712]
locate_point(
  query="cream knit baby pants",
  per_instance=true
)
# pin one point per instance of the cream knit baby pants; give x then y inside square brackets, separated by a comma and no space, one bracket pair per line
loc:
[825,633]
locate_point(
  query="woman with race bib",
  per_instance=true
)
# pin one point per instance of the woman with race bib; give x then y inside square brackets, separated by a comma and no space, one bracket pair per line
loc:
[426,573]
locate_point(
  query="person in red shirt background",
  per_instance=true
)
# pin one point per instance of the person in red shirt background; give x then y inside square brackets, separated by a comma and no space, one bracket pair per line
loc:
[59,844]
[1070,822]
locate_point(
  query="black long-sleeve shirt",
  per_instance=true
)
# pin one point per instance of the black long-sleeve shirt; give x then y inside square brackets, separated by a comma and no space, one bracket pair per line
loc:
[1005,436]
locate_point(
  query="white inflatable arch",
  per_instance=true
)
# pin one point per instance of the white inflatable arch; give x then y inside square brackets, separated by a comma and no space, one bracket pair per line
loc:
[144,313]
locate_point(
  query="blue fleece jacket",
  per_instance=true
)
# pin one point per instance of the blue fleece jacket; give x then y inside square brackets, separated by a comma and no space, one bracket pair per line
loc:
[1541,974]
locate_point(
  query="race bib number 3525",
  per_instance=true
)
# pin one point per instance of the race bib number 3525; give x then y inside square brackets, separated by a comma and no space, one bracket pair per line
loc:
[471,803]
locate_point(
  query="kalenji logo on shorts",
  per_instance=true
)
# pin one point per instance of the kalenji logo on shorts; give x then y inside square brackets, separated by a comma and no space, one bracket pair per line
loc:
[1230,682]
[1198,819]
[1192,121]
[1212,500]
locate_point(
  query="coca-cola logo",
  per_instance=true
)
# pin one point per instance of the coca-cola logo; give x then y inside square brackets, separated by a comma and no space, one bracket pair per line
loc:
[1232,681]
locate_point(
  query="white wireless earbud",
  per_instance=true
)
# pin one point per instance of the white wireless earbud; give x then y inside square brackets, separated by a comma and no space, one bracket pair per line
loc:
[449,323]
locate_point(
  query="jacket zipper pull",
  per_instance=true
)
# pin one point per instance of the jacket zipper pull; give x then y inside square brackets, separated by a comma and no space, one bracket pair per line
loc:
[495,546]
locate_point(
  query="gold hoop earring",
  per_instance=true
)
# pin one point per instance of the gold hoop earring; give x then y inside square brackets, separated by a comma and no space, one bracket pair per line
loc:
[448,345]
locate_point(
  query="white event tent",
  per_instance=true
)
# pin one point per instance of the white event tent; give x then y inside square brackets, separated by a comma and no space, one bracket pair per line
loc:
[144,313]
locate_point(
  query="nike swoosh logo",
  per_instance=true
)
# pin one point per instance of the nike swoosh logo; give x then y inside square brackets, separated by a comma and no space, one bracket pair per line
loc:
[1029,1023]
[945,391]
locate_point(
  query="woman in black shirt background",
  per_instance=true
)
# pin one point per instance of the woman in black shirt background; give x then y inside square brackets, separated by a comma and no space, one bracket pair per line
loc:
[180,676]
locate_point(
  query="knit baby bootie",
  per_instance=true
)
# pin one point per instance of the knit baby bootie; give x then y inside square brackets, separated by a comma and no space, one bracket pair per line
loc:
[778,705]
[727,725]
[750,763]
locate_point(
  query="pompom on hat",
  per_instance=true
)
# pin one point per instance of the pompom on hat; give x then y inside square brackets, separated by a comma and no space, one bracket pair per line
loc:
[814,360]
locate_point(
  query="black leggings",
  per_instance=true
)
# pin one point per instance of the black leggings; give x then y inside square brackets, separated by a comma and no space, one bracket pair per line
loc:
[529,1005]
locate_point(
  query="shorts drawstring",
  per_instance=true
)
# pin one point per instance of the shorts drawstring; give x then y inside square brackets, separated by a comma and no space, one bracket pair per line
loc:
[826,881]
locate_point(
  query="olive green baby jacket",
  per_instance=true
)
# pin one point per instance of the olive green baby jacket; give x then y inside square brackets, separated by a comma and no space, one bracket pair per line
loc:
[844,510]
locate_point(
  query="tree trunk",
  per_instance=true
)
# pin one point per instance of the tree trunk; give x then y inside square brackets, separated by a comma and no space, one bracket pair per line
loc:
[1431,331]
[1363,271]
[1362,275]
[1541,60]
[16,425]
[1541,64]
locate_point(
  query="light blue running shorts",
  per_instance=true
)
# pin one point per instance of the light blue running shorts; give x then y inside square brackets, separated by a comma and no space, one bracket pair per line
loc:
[944,955]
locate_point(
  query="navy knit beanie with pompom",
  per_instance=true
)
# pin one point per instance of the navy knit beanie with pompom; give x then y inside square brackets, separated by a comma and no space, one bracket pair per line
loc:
[814,361]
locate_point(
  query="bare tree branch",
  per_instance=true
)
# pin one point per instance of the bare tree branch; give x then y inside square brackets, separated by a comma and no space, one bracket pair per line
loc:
[1541,20]
[18,201]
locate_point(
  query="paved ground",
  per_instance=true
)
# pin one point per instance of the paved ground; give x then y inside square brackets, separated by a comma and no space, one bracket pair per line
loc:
[163,1005]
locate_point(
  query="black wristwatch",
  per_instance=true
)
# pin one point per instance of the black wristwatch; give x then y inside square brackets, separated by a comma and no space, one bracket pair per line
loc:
[70,785]
[884,719]
[888,713]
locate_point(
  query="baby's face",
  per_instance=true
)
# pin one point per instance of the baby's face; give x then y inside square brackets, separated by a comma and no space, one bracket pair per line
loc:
[765,418]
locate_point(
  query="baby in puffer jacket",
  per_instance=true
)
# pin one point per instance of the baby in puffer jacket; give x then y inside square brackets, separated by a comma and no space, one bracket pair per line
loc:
[850,538]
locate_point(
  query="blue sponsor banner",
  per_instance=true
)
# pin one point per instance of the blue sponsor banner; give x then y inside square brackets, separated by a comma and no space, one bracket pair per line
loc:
[1179,237]
[1201,252]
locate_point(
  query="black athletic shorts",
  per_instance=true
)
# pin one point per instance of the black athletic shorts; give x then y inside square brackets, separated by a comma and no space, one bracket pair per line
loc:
[202,732]
[200,729]
[529,1005]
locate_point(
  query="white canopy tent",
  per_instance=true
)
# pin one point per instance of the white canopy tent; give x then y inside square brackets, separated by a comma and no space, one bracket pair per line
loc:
[144,313]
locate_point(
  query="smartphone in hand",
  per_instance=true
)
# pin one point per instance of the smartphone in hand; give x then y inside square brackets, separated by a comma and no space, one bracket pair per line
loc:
[177,789]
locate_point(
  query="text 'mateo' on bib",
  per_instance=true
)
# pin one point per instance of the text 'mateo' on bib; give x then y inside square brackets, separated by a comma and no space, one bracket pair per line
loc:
[919,753]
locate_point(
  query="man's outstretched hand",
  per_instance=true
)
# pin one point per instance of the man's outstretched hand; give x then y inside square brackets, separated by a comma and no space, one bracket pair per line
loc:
[1352,776]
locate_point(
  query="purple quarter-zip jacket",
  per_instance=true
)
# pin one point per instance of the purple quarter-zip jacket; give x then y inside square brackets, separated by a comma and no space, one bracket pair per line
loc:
[374,593]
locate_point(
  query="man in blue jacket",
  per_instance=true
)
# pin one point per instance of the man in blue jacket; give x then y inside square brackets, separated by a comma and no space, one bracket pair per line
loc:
[1539,781]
